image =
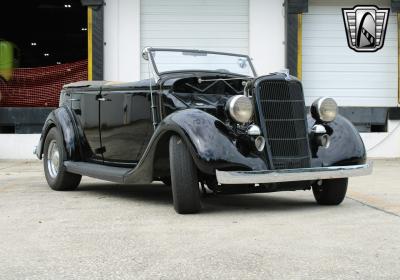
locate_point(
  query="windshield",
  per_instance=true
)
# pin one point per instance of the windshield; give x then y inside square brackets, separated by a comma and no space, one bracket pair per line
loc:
[169,60]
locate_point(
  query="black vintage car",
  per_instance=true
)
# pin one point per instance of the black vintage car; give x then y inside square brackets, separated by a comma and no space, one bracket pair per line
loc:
[215,128]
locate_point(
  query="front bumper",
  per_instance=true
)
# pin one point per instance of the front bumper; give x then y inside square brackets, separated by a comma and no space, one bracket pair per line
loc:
[288,175]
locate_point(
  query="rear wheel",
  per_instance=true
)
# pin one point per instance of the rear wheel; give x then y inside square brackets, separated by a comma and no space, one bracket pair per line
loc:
[53,160]
[330,192]
[184,181]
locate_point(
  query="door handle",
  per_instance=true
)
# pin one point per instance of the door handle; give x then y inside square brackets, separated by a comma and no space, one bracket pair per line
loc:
[73,99]
[103,99]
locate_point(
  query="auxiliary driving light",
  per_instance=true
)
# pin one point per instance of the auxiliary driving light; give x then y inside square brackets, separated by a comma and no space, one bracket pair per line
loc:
[318,132]
[253,130]
[324,140]
[259,142]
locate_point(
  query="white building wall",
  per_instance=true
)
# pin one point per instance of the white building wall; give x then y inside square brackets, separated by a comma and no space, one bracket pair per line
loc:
[267,35]
[221,25]
[18,146]
[366,79]
[122,40]
[383,144]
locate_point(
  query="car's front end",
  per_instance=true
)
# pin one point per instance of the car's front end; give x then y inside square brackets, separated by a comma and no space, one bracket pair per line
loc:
[259,135]
[297,148]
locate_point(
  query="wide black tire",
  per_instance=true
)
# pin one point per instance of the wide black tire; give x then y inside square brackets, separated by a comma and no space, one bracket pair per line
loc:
[59,180]
[184,182]
[330,192]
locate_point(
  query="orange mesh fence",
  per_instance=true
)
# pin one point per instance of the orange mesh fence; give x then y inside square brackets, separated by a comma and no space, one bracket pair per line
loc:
[40,87]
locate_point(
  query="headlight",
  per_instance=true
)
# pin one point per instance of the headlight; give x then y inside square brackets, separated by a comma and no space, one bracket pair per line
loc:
[240,108]
[324,109]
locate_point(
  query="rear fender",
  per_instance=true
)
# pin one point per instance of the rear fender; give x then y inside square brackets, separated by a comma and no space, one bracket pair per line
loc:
[61,118]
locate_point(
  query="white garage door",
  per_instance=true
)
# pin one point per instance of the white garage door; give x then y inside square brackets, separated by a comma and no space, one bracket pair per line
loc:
[221,25]
[331,68]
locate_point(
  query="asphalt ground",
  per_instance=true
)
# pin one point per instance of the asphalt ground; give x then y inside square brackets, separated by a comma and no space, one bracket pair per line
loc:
[110,231]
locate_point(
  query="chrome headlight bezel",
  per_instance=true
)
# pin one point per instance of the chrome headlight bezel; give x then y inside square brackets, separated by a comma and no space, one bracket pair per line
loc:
[324,109]
[240,108]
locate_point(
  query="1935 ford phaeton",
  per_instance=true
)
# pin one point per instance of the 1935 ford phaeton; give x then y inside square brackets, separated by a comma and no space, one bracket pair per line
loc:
[215,127]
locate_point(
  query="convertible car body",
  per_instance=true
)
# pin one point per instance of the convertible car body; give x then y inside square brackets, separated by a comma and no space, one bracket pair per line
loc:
[216,128]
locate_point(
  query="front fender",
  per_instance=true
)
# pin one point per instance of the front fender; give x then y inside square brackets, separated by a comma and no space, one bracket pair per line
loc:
[346,147]
[63,120]
[209,142]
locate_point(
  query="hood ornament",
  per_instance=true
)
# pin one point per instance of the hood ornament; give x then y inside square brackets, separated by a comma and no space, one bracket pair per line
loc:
[286,73]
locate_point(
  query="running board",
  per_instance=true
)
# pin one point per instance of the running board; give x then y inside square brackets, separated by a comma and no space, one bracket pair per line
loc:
[103,172]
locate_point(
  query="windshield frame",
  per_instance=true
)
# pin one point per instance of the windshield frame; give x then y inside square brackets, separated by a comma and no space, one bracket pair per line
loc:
[150,51]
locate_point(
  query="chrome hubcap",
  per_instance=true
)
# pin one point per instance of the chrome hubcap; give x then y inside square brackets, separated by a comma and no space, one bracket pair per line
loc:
[53,159]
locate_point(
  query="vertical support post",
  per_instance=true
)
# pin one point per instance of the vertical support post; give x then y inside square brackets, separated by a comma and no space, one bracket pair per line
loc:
[90,42]
[299,45]
[398,59]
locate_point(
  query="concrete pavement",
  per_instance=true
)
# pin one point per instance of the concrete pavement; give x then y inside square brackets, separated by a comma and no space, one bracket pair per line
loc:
[109,231]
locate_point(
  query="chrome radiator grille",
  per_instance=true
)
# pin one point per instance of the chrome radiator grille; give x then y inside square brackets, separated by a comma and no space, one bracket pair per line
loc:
[282,116]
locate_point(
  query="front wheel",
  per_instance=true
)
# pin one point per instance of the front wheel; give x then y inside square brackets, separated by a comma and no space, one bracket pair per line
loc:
[184,181]
[53,160]
[330,192]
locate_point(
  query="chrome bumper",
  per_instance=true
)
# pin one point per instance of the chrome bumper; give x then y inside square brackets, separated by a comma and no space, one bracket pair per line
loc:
[287,175]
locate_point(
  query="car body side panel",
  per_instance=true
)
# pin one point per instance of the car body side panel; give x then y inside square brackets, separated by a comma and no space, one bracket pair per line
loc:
[83,106]
[126,125]
[88,117]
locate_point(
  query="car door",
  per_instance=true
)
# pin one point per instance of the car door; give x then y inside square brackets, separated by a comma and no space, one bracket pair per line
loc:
[125,126]
[85,105]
